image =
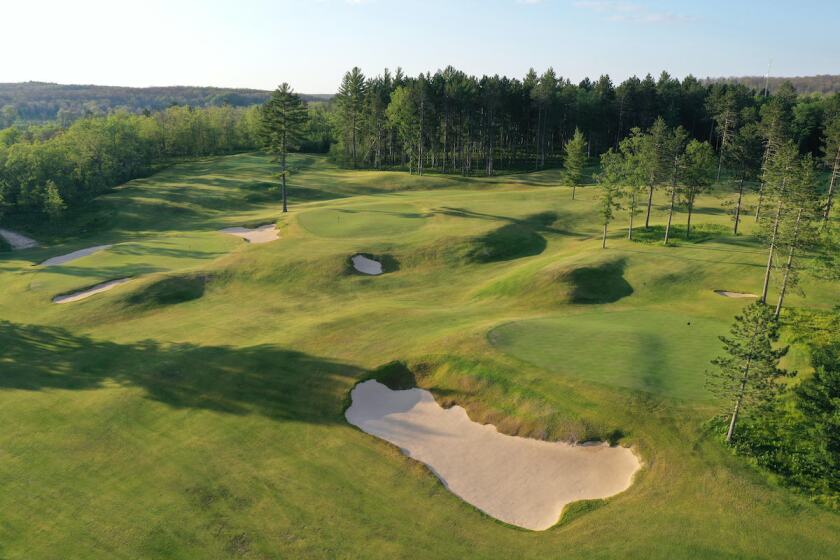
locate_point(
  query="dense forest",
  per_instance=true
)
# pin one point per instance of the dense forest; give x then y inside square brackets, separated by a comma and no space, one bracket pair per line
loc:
[39,101]
[452,122]
[47,168]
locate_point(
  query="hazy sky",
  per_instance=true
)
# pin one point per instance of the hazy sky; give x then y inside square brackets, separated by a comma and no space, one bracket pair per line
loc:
[310,43]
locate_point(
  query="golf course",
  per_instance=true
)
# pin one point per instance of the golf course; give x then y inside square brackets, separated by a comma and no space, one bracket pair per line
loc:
[198,408]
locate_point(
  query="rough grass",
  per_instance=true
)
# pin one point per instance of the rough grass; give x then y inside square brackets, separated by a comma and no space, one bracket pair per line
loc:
[213,428]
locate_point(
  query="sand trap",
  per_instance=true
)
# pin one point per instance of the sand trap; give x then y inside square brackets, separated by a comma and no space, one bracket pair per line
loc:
[366,265]
[737,295]
[17,241]
[261,234]
[61,259]
[521,481]
[87,292]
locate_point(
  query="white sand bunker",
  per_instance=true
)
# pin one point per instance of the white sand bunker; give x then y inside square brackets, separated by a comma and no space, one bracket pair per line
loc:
[87,292]
[261,234]
[737,295]
[521,481]
[366,265]
[17,241]
[61,259]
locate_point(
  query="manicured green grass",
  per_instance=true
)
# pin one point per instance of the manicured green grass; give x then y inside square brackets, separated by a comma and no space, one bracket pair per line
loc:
[362,220]
[196,412]
[644,349]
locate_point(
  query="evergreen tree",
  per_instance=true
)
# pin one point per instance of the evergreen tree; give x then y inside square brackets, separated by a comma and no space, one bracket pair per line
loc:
[575,160]
[745,157]
[698,174]
[747,372]
[284,119]
[609,199]
[351,99]
[831,148]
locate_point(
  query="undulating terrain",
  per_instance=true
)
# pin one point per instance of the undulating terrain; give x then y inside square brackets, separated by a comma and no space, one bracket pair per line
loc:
[196,411]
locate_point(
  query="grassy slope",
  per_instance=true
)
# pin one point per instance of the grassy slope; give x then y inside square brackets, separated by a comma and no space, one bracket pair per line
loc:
[184,418]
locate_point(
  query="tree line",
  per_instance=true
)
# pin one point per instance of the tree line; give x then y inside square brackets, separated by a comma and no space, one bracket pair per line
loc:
[452,122]
[45,169]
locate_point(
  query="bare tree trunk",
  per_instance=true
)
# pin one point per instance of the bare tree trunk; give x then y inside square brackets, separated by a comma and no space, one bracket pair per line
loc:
[760,200]
[690,208]
[789,264]
[649,204]
[742,391]
[723,139]
[283,175]
[354,138]
[772,250]
[604,238]
[670,212]
[632,212]
[574,187]
[738,206]
[739,400]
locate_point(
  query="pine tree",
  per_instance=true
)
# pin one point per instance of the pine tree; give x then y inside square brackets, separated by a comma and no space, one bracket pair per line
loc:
[351,98]
[283,123]
[698,174]
[655,160]
[610,178]
[675,150]
[575,160]
[746,374]
[745,157]
[831,148]
[777,177]
[796,231]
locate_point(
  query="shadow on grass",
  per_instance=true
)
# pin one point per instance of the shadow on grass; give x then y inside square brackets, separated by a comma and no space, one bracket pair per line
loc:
[170,291]
[604,283]
[266,379]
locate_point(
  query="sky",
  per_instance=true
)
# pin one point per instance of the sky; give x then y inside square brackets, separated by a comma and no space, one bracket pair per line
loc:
[311,43]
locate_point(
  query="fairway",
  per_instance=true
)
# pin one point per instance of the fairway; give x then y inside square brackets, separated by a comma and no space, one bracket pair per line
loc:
[198,411]
[644,349]
[362,220]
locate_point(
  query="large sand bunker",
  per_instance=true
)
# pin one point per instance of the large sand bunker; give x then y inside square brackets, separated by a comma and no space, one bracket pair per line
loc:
[261,234]
[17,241]
[736,295]
[61,259]
[87,292]
[366,265]
[521,481]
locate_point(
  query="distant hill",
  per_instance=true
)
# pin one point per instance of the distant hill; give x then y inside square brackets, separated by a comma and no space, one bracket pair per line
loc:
[40,101]
[823,83]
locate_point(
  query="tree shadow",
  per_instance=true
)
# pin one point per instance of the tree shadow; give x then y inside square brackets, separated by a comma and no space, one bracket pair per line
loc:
[604,283]
[265,379]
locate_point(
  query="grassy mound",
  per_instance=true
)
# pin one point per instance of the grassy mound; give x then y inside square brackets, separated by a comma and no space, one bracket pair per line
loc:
[513,241]
[599,283]
[170,291]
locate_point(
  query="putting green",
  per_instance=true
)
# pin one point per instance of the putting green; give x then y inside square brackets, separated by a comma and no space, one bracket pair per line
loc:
[362,220]
[648,350]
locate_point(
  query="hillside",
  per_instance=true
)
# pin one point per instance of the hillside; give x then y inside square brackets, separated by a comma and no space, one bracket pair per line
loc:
[822,83]
[38,101]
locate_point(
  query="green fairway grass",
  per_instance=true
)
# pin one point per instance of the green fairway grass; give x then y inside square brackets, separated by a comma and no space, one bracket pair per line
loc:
[648,350]
[197,411]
